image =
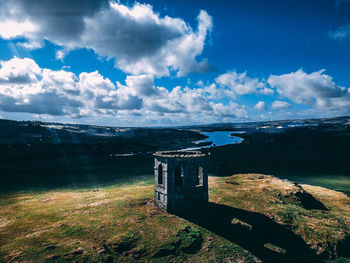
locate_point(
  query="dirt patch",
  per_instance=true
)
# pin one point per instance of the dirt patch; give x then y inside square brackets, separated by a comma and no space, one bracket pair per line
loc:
[99,203]
[4,222]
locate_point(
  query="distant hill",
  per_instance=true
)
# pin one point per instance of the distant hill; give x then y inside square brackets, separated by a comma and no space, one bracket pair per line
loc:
[52,154]
[47,154]
[60,133]
[273,125]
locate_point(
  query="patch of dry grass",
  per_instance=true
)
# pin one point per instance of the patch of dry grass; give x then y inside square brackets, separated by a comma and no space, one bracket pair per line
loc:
[119,223]
[275,198]
[105,224]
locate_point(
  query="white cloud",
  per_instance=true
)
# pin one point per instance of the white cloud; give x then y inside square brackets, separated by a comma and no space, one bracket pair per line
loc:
[19,71]
[261,105]
[315,89]
[13,29]
[266,91]
[25,87]
[139,39]
[280,105]
[142,84]
[230,111]
[233,84]
[341,33]
[239,83]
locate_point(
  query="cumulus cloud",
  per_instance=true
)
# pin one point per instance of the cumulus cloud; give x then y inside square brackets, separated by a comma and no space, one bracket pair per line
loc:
[280,105]
[25,87]
[12,29]
[261,105]
[142,84]
[139,39]
[342,33]
[18,71]
[316,89]
[230,111]
[266,91]
[239,83]
[179,100]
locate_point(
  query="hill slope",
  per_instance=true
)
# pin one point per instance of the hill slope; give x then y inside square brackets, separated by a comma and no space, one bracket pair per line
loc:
[251,218]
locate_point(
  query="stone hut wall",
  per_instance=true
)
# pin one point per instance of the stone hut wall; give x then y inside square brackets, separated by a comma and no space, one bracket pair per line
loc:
[171,195]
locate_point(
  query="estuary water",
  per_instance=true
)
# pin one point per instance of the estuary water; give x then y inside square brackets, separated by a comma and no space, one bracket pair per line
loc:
[217,138]
[220,138]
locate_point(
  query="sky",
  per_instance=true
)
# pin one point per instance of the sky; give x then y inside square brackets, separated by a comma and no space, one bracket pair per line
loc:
[168,63]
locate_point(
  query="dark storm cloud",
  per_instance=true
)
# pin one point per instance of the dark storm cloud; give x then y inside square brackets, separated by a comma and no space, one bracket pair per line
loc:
[127,37]
[42,103]
[136,37]
[61,20]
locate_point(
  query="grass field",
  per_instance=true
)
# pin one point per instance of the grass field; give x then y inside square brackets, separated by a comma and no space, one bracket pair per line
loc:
[250,218]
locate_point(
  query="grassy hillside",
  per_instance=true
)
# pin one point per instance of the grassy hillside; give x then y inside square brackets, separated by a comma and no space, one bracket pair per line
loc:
[250,218]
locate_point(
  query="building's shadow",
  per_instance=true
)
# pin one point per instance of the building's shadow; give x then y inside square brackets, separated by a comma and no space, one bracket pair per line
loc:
[253,231]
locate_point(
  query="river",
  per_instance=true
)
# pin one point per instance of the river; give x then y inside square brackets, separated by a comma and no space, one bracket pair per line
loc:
[217,138]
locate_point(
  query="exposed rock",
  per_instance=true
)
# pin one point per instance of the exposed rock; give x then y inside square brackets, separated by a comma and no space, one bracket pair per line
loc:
[101,251]
[53,257]
[275,248]
[12,257]
[49,247]
[77,251]
[237,222]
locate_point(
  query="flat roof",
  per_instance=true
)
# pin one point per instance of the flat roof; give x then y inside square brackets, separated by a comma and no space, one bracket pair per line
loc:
[180,154]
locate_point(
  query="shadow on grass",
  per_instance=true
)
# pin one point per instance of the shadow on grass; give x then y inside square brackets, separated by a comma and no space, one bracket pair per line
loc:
[255,232]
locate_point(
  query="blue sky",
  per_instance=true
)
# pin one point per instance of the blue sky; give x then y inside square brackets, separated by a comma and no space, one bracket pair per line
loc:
[173,62]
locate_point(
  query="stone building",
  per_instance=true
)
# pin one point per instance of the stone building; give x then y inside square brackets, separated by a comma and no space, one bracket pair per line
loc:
[181,180]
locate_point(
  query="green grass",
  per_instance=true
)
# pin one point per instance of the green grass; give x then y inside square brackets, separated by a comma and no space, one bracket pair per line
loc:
[119,223]
[116,222]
